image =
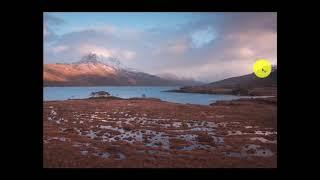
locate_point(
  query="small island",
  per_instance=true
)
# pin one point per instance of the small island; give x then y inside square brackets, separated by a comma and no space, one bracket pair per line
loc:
[100,94]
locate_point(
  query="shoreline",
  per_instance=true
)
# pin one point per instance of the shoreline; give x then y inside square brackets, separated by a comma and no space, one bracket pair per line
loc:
[158,99]
[259,91]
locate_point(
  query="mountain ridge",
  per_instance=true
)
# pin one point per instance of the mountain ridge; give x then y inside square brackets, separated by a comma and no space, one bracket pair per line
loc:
[248,84]
[90,71]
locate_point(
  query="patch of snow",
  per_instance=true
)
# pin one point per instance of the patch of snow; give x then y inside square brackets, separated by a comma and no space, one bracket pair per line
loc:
[104,155]
[250,150]
[78,131]
[212,124]
[255,150]
[266,133]
[236,133]
[121,156]
[201,129]
[53,112]
[112,128]
[223,124]
[218,140]
[263,140]
[63,139]
[84,152]
[234,122]
[91,134]
[176,124]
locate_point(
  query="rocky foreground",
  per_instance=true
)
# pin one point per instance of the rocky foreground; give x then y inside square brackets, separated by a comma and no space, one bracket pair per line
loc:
[111,132]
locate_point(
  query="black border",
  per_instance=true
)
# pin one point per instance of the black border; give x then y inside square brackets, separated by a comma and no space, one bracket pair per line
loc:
[36,69]
[159,6]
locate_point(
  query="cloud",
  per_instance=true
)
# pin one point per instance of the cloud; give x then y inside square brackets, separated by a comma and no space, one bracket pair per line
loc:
[48,33]
[59,49]
[241,40]
[45,31]
[50,21]
[246,52]
[79,50]
[203,37]
[212,71]
[84,49]
[172,48]
[217,46]
[179,47]
[110,29]
[129,54]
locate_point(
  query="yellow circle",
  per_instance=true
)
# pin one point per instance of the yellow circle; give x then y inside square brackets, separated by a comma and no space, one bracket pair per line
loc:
[262,68]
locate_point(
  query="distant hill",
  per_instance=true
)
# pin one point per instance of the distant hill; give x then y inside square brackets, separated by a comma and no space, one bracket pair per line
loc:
[248,84]
[247,81]
[90,71]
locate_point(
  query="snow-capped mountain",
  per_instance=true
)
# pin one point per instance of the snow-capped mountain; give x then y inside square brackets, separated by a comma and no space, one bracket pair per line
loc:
[94,70]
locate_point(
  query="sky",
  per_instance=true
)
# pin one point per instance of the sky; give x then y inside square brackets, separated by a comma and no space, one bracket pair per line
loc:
[203,46]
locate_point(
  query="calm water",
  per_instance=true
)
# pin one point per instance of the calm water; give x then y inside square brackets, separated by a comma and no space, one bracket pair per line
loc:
[63,93]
